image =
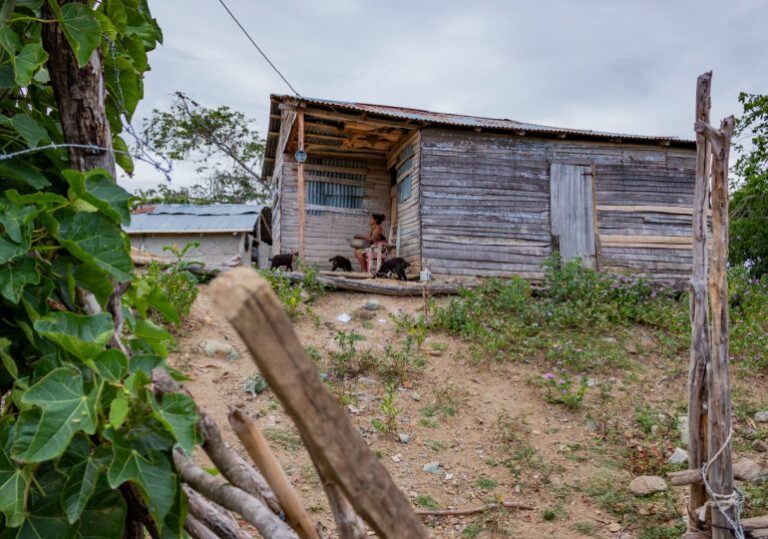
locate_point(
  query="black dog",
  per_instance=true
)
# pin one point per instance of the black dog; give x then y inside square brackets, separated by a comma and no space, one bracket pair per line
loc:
[282,260]
[394,266]
[341,263]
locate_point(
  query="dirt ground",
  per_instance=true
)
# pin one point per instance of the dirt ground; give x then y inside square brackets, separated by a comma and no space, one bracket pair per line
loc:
[498,440]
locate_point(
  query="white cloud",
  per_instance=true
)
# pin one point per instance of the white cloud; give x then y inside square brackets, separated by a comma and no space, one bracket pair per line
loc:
[618,65]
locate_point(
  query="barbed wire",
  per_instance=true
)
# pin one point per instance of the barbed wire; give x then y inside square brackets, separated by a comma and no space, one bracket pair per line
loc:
[145,151]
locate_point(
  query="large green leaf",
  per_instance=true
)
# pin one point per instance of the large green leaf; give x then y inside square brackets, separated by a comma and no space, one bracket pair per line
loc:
[14,484]
[16,221]
[111,365]
[80,485]
[98,189]
[10,250]
[87,276]
[104,516]
[81,28]
[9,41]
[18,169]
[14,276]
[62,408]
[83,336]
[7,360]
[27,62]
[178,413]
[93,238]
[153,476]
[42,527]
[7,76]
[118,411]
[122,156]
[27,127]
[155,336]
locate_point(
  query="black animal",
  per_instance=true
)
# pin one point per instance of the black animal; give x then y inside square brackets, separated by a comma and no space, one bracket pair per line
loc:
[282,260]
[341,263]
[394,266]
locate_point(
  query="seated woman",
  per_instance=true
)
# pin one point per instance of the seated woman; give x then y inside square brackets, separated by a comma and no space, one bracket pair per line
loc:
[376,235]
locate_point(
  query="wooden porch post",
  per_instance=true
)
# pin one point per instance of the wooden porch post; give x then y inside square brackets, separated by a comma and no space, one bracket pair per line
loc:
[302,212]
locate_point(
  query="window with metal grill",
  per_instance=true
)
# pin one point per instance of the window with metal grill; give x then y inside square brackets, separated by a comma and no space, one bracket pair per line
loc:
[335,195]
[334,183]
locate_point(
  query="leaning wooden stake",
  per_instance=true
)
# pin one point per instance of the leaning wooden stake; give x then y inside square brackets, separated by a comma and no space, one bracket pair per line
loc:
[720,474]
[342,456]
[258,449]
[697,386]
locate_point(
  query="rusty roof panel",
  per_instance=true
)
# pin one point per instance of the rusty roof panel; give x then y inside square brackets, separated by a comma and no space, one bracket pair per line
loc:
[418,115]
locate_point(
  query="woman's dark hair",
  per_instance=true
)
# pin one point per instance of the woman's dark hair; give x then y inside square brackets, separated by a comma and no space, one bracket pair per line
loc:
[378,217]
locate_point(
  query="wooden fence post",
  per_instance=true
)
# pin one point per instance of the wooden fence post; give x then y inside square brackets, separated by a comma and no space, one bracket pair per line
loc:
[718,377]
[697,386]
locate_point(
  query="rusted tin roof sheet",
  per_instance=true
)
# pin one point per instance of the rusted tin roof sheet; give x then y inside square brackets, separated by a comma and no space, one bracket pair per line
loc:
[462,120]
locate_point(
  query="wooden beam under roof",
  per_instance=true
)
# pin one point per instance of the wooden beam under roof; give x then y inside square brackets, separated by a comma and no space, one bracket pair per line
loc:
[341,117]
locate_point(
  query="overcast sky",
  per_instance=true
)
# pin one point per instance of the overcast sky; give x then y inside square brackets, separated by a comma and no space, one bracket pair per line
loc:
[615,65]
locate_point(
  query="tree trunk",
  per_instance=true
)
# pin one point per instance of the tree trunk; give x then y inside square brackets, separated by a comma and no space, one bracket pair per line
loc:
[80,96]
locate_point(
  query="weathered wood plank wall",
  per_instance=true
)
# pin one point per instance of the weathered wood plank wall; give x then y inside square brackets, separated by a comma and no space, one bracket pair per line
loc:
[486,203]
[329,228]
[409,211]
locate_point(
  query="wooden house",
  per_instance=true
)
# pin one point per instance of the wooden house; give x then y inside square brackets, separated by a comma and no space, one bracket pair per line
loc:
[470,196]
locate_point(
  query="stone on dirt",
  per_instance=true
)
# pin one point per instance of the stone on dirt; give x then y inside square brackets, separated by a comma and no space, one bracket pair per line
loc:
[432,467]
[760,446]
[221,349]
[372,305]
[678,456]
[404,438]
[747,470]
[647,484]
[762,416]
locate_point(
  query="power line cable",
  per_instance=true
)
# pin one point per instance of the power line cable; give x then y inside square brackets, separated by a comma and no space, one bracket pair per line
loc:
[294,90]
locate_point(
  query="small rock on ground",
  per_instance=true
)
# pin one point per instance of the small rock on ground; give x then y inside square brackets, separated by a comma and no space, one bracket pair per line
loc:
[760,445]
[747,469]
[678,456]
[432,467]
[647,484]
[762,416]
[213,348]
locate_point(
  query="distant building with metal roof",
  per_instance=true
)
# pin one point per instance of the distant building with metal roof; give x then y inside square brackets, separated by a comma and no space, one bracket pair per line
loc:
[225,232]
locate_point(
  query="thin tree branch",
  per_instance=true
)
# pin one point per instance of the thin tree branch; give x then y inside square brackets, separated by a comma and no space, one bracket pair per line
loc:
[215,519]
[216,489]
[473,510]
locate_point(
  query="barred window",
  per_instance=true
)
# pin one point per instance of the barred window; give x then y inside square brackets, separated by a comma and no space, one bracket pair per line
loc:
[335,195]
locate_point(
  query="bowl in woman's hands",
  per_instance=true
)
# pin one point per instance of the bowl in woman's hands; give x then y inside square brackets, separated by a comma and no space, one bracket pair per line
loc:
[358,243]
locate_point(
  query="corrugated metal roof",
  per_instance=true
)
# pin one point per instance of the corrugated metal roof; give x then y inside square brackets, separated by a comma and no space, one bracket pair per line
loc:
[425,117]
[462,120]
[182,218]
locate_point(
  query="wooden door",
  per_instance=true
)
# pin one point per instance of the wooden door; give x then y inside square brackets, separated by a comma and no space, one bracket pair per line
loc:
[572,213]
